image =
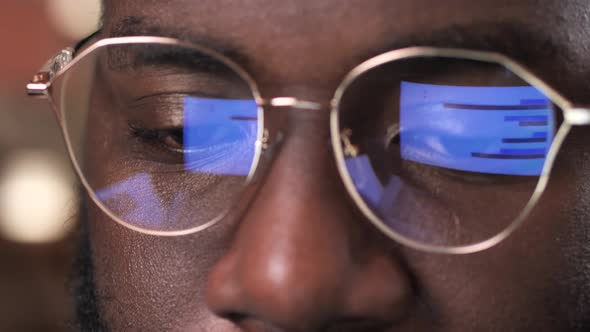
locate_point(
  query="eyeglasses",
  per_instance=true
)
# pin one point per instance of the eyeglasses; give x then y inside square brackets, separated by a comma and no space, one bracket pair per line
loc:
[443,150]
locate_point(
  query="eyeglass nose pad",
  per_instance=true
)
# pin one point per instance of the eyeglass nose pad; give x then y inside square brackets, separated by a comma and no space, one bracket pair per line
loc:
[392,135]
[270,145]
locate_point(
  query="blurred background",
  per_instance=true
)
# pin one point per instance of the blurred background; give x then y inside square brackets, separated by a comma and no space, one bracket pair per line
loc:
[37,186]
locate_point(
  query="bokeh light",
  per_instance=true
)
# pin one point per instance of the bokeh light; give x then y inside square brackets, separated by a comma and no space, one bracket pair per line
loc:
[37,198]
[74,19]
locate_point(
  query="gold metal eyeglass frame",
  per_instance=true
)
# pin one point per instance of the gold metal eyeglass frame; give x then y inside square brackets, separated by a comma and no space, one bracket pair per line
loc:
[573,115]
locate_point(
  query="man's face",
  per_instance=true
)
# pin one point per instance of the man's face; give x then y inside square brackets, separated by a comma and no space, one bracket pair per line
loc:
[301,257]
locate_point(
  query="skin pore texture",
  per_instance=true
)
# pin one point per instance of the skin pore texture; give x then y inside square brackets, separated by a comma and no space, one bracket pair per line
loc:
[301,257]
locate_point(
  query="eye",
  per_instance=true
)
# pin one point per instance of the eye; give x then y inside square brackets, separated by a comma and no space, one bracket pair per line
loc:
[169,139]
[172,139]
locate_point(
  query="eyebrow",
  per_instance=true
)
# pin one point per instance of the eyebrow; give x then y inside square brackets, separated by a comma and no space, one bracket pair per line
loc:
[518,40]
[144,26]
[515,39]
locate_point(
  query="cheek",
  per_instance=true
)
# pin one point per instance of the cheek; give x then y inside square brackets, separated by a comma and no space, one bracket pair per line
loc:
[517,284]
[537,276]
[578,224]
[150,281]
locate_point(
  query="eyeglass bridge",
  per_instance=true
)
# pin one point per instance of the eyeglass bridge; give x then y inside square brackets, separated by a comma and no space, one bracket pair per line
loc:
[292,103]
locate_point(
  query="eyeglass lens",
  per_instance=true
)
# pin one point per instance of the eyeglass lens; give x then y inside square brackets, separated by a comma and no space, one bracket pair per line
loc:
[164,135]
[445,151]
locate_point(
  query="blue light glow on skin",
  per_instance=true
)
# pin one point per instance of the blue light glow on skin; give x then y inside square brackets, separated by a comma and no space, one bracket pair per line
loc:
[368,185]
[365,180]
[494,130]
[137,202]
[220,135]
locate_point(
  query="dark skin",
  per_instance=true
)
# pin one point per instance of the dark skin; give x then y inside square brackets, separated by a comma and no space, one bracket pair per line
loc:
[300,256]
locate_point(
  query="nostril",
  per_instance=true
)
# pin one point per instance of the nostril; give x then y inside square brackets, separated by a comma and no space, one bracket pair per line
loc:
[249,323]
[234,317]
[358,325]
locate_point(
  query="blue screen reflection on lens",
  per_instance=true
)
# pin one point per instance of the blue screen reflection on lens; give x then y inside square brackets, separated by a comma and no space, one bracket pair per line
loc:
[220,135]
[495,130]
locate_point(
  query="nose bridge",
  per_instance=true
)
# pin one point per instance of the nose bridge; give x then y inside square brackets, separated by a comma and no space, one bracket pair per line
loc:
[295,256]
[291,225]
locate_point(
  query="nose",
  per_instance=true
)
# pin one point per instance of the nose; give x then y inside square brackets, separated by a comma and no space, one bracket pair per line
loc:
[302,258]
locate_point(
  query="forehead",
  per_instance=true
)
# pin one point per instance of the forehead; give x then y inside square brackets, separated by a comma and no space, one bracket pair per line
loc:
[303,41]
